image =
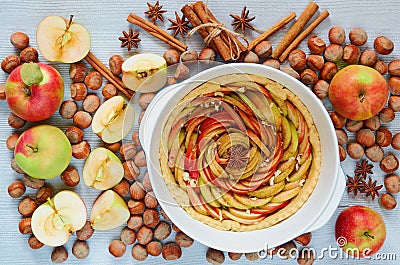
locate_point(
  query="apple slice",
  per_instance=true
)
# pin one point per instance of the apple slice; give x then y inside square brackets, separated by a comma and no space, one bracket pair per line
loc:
[113,120]
[60,40]
[146,72]
[109,211]
[268,191]
[102,170]
[53,221]
[286,195]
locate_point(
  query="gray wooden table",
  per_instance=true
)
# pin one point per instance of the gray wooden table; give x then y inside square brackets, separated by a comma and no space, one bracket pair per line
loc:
[105,21]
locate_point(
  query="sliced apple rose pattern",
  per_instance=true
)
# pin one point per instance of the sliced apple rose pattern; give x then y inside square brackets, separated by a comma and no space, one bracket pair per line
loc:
[240,152]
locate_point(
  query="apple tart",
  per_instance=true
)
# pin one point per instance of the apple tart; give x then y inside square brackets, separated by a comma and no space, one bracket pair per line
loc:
[240,152]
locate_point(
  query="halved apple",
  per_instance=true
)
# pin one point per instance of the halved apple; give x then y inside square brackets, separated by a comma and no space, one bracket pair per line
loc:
[109,211]
[102,170]
[113,120]
[145,72]
[61,40]
[53,221]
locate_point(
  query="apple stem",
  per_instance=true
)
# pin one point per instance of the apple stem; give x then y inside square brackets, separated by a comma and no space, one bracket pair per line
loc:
[362,97]
[69,22]
[27,91]
[34,149]
[367,234]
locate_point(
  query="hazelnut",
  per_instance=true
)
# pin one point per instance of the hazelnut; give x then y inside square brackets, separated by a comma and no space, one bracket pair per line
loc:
[19,40]
[297,60]
[127,151]
[151,217]
[338,120]
[342,153]
[394,68]
[309,77]
[77,72]
[333,52]
[383,137]
[150,200]
[183,240]
[272,63]
[394,103]
[387,115]
[44,193]
[59,254]
[341,136]
[387,201]
[206,54]
[329,71]
[85,232]
[91,103]
[175,228]
[263,50]
[145,99]
[24,226]
[315,62]
[358,36]
[290,71]
[368,58]
[383,45]
[171,57]
[34,243]
[109,91]
[136,190]
[28,55]
[144,235]
[372,123]
[365,137]
[131,171]
[135,222]
[306,257]
[27,206]
[146,182]
[396,141]
[70,176]
[394,85]
[215,256]
[351,54]
[389,164]
[182,72]
[316,45]
[392,183]
[68,109]
[11,141]
[355,150]
[2,91]
[117,248]
[115,63]
[93,80]
[114,147]
[33,183]
[135,207]
[171,251]
[140,159]
[381,67]
[10,63]
[74,134]
[304,239]
[139,252]
[80,249]
[15,167]
[122,188]
[78,91]
[154,248]
[253,256]
[189,56]
[374,153]
[321,89]
[141,117]
[128,236]
[234,256]
[16,189]
[251,57]
[162,230]
[286,250]
[135,138]
[81,150]
[82,119]
[337,35]
[15,122]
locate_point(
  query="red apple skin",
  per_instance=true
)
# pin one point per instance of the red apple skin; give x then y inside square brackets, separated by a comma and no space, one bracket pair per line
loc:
[353,223]
[44,98]
[358,92]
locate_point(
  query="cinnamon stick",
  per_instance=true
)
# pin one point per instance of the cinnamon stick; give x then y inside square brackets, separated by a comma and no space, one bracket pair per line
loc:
[156,32]
[106,73]
[303,35]
[295,29]
[276,27]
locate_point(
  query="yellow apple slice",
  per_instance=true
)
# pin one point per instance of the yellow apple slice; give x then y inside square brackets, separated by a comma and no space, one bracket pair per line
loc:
[61,40]
[113,120]
[53,221]
[109,211]
[102,170]
[145,72]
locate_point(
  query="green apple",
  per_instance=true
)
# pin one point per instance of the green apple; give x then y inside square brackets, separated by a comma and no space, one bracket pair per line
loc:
[43,152]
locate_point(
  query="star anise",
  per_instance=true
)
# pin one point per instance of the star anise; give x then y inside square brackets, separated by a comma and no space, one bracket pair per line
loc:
[363,169]
[180,25]
[129,39]
[155,12]
[371,189]
[238,157]
[354,184]
[243,21]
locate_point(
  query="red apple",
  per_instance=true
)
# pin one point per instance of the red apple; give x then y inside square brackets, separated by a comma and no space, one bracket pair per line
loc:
[360,231]
[358,92]
[34,91]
